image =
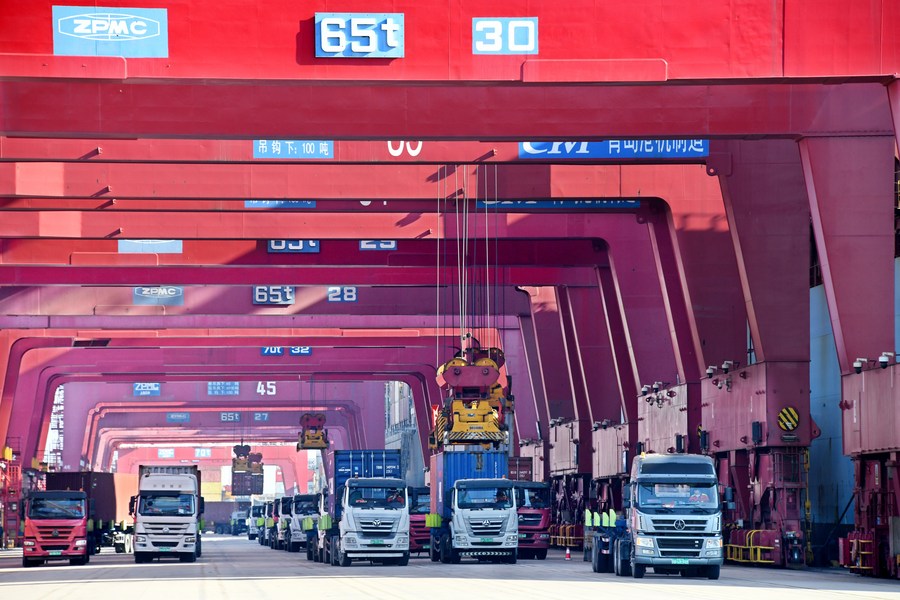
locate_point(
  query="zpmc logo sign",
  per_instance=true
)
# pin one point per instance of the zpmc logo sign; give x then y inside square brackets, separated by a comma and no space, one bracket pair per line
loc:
[99,31]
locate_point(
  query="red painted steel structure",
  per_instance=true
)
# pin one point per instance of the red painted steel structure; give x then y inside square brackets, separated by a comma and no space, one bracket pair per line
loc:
[763,70]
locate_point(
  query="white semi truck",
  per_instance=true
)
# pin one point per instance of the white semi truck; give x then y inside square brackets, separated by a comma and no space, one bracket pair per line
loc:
[167,513]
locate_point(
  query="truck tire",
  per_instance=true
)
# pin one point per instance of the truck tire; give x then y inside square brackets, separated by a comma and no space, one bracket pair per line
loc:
[433,550]
[445,549]
[199,546]
[343,560]
[28,563]
[404,560]
[638,571]
[541,554]
[187,557]
[141,557]
[512,558]
[595,559]
[455,557]
[712,571]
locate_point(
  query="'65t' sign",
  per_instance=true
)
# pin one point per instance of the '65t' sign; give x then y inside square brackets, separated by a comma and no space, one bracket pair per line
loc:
[359,35]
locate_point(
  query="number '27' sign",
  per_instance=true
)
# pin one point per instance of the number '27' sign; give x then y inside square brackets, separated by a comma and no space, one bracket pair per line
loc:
[359,35]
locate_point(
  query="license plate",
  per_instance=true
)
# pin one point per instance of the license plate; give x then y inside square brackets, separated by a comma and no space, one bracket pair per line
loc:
[55,553]
[164,549]
[486,540]
[376,543]
[522,536]
[680,561]
[426,547]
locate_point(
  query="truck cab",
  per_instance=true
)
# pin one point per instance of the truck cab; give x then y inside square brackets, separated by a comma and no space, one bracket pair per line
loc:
[167,514]
[256,521]
[673,517]
[482,522]
[373,522]
[271,531]
[303,506]
[283,508]
[55,528]
[533,507]
[419,507]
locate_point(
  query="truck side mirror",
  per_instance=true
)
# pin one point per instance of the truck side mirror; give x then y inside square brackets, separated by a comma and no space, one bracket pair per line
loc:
[729,494]
[132,504]
[626,496]
[202,505]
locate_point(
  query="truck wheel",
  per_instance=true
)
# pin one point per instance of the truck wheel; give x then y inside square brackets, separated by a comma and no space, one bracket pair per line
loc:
[541,554]
[445,549]
[199,546]
[455,556]
[404,560]
[140,557]
[28,563]
[595,559]
[188,557]
[512,558]
[638,571]
[343,560]
[712,571]
[433,549]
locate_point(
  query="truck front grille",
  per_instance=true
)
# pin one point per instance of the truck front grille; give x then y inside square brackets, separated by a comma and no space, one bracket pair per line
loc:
[166,528]
[49,547]
[63,532]
[376,527]
[530,520]
[164,544]
[679,525]
[679,543]
[486,527]
[679,554]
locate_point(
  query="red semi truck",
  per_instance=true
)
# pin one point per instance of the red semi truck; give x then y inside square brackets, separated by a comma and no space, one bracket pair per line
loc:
[68,520]
[533,502]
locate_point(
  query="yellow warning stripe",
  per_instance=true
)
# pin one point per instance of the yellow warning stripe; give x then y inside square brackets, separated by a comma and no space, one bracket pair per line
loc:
[788,419]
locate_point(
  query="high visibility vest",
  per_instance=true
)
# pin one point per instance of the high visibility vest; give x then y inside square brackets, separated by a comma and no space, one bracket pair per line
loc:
[587,517]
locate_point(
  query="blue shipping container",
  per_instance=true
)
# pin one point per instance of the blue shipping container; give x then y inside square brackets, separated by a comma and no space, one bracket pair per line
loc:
[361,463]
[449,467]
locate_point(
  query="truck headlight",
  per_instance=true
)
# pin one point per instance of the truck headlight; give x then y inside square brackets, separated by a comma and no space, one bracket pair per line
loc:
[28,543]
[80,543]
[403,540]
[460,540]
[645,542]
[512,538]
[714,543]
[190,539]
[350,541]
[140,538]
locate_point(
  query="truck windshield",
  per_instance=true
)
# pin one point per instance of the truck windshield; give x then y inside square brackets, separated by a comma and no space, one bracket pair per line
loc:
[256,511]
[167,505]
[533,498]
[487,497]
[377,497]
[306,507]
[56,508]
[421,505]
[678,495]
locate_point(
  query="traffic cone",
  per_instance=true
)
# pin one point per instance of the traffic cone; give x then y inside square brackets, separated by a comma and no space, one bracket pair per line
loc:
[568,554]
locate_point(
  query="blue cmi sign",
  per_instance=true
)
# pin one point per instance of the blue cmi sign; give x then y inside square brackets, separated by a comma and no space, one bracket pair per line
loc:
[102,31]
[614,149]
